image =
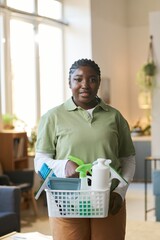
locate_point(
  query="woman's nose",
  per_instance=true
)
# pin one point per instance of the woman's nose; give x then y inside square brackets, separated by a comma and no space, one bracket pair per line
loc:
[85,83]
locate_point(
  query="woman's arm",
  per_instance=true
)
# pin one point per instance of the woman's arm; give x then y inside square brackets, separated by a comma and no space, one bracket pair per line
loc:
[61,168]
[128,170]
[58,166]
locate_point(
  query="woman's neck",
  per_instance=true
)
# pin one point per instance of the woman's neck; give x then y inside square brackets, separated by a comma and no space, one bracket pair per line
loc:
[88,105]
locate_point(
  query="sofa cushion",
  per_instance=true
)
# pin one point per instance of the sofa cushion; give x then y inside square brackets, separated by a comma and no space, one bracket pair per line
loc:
[156,182]
[8,223]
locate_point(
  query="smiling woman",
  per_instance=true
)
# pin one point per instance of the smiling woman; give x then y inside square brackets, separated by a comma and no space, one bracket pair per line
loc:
[84,83]
[87,128]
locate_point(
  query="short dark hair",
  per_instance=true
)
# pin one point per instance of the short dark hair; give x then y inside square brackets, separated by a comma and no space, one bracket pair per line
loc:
[84,62]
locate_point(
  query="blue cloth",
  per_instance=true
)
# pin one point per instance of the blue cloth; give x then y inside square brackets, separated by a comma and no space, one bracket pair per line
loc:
[157,208]
[156,182]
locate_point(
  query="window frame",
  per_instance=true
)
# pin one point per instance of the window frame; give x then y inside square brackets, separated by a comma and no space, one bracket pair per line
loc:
[34,19]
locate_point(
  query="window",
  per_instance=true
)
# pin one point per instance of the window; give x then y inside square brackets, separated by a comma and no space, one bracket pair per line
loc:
[47,8]
[50,52]
[50,8]
[23,70]
[23,5]
[31,76]
[2,77]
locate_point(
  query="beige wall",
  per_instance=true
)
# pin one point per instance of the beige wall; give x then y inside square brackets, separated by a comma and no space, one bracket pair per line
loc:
[78,42]
[120,38]
[154,24]
[138,40]
[115,33]
[110,48]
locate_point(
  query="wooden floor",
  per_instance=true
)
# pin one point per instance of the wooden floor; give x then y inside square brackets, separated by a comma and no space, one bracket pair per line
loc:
[136,202]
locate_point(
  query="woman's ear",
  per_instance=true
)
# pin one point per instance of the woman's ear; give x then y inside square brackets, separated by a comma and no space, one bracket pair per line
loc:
[69,83]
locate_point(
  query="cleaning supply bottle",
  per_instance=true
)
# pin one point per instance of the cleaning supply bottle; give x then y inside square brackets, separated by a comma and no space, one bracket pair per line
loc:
[84,203]
[112,173]
[83,169]
[100,175]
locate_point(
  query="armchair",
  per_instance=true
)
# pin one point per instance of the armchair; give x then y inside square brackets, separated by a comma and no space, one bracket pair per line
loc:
[9,209]
[24,179]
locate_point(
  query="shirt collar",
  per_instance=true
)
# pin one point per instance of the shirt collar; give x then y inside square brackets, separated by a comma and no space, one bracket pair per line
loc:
[71,106]
[103,105]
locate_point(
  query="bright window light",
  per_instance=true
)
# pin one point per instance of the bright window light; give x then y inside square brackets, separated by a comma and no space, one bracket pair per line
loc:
[23,5]
[51,70]
[2,77]
[23,71]
[50,8]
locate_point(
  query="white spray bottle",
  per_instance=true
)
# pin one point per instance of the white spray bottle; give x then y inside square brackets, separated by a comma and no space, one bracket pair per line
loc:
[100,175]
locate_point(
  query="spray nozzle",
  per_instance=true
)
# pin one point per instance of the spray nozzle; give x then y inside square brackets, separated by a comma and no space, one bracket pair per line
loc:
[103,161]
[83,169]
[76,160]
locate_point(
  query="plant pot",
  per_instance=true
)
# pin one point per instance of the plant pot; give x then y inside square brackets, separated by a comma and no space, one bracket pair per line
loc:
[149,69]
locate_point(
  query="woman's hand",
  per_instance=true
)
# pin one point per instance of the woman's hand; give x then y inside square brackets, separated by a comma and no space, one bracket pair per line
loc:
[115,203]
[70,170]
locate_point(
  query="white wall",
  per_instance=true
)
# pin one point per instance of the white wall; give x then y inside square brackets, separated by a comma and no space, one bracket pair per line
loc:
[78,43]
[138,40]
[110,48]
[120,40]
[155,31]
[115,33]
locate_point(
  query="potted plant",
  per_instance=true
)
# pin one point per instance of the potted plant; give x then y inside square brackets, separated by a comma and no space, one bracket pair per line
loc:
[32,140]
[146,75]
[150,69]
[8,120]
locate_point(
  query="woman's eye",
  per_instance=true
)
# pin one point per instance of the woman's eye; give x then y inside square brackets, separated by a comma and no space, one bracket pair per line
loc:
[93,80]
[77,79]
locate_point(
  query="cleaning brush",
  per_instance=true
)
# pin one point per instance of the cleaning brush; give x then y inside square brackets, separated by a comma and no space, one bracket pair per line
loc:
[45,172]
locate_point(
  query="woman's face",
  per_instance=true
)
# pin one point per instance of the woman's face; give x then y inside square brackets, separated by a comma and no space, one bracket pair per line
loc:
[84,84]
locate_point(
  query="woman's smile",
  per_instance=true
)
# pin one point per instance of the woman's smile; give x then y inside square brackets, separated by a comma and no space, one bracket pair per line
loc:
[84,93]
[84,84]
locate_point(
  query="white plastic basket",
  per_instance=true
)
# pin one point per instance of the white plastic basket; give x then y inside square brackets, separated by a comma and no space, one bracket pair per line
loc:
[78,203]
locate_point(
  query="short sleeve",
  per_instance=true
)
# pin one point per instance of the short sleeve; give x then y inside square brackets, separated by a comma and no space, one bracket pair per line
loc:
[126,147]
[46,135]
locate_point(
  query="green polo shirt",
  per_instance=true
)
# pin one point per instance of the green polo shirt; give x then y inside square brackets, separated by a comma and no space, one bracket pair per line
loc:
[70,130]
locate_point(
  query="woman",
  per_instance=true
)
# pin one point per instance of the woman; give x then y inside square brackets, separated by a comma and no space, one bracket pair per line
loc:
[84,126]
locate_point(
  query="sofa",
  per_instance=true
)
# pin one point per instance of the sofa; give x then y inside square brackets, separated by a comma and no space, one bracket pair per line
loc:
[10,197]
[156,192]
[24,179]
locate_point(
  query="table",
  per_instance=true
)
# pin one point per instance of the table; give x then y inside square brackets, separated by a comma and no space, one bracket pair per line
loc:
[26,236]
[8,236]
[147,160]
